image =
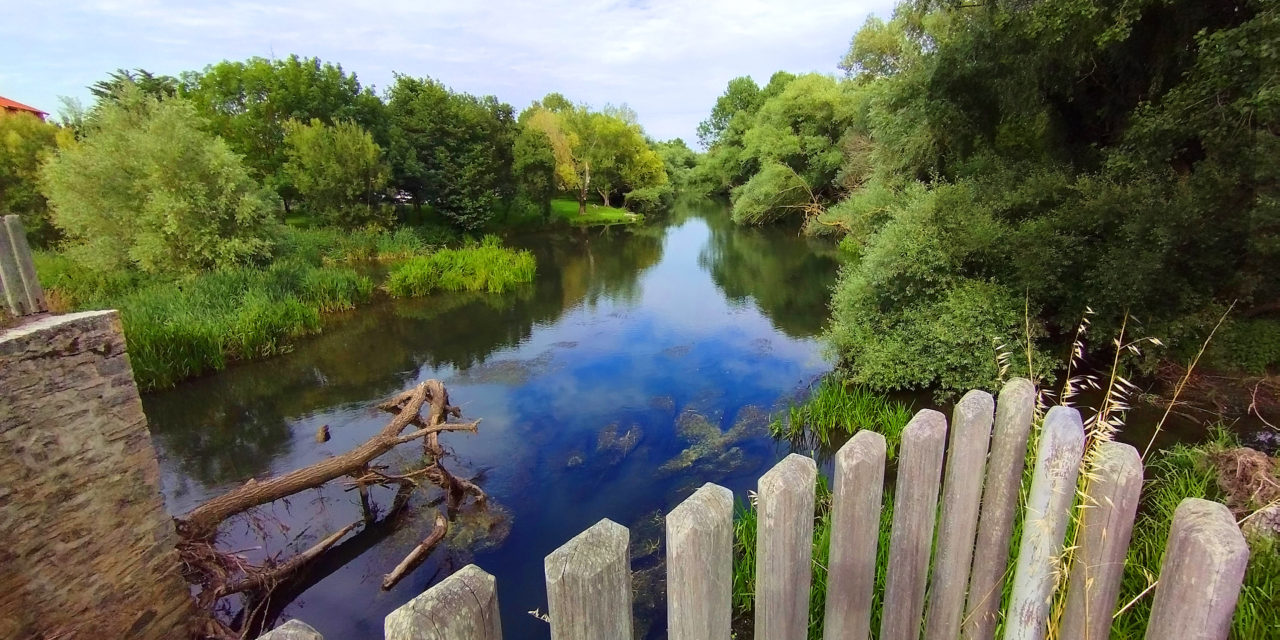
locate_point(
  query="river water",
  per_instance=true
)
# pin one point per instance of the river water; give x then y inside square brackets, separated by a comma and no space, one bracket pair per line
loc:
[640,364]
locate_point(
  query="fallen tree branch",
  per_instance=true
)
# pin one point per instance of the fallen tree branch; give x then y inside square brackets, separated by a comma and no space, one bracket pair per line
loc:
[202,522]
[258,580]
[418,554]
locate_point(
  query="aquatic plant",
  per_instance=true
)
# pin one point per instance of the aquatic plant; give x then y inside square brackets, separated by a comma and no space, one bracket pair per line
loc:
[487,266]
[837,407]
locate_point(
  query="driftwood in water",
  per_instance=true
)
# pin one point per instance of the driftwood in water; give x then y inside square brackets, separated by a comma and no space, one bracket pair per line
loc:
[223,574]
[418,554]
[203,521]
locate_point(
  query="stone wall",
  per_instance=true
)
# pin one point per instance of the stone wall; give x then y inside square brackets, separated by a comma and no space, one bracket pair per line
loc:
[86,548]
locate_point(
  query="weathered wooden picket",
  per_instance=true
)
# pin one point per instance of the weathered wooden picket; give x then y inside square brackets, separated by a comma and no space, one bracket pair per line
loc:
[589,583]
[22,293]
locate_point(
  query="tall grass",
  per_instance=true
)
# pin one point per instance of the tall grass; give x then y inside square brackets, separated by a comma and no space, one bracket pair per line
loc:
[487,266]
[330,245]
[836,407]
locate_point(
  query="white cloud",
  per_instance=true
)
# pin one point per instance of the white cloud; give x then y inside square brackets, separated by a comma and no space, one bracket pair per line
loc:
[667,59]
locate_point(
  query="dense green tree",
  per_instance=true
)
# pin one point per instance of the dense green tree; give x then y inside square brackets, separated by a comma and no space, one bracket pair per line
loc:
[248,103]
[741,96]
[25,142]
[148,187]
[452,151]
[338,170]
[1053,156]
[603,151]
[534,165]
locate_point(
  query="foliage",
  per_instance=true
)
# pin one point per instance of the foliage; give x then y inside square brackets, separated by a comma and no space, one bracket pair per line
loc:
[567,211]
[25,142]
[1174,475]
[121,80]
[450,150]
[330,245]
[248,103]
[147,188]
[337,170]
[485,267]
[1116,156]
[679,162]
[534,166]
[775,191]
[604,151]
[836,408]
[1249,344]
[650,199]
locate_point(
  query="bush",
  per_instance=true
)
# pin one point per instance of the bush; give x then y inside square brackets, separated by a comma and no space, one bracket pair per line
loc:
[1251,345]
[148,188]
[774,192]
[486,267]
[834,408]
[650,199]
[339,172]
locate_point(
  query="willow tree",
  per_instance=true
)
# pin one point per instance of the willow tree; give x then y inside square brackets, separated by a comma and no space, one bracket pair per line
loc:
[604,151]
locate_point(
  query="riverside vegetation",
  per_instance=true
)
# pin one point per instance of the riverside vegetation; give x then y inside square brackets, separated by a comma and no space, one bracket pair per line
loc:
[229,227]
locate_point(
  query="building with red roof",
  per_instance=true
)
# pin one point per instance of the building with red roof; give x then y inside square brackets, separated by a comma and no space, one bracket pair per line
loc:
[8,106]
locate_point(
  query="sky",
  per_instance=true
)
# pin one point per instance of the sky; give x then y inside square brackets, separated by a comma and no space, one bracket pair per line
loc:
[668,60]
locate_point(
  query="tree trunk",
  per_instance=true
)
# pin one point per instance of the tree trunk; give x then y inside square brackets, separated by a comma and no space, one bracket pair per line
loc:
[604,195]
[582,202]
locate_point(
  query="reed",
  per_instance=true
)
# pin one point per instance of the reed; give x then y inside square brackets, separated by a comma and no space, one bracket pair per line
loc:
[836,408]
[488,267]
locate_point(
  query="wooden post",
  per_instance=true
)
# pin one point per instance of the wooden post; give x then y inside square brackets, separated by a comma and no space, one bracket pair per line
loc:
[1053,487]
[15,293]
[700,565]
[589,585]
[1102,540]
[1200,576]
[961,495]
[999,503]
[463,606]
[914,512]
[784,549]
[18,270]
[292,630]
[855,531]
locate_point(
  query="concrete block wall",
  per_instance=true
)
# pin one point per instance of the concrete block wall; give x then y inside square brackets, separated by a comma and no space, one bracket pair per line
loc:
[86,547]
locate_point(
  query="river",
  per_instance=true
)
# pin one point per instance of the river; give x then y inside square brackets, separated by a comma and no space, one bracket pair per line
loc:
[641,363]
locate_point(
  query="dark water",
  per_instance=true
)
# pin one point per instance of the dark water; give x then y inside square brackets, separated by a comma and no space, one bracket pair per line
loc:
[640,364]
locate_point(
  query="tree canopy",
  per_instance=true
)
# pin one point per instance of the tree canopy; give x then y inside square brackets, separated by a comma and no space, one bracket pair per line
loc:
[338,170]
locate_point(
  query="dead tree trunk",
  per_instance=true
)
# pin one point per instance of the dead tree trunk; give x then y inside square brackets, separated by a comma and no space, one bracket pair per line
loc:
[201,524]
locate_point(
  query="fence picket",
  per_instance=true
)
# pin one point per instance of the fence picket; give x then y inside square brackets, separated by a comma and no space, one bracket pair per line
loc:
[784,549]
[914,511]
[463,606]
[15,293]
[29,283]
[700,565]
[589,585]
[1053,487]
[1110,504]
[961,495]
[855,532]
[1014,411]
[1201,574]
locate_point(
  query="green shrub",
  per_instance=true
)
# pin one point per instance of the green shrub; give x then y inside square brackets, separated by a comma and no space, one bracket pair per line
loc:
[486,267]
[650,199]
[1251,345]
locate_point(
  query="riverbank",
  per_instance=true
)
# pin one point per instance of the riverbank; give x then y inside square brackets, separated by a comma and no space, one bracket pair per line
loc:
[181,327]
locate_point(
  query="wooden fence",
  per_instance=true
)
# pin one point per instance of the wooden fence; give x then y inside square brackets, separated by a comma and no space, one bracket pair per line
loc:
[942,582]
[22,293]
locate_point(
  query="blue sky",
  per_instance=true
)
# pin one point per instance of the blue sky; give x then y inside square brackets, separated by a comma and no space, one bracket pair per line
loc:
[667,60]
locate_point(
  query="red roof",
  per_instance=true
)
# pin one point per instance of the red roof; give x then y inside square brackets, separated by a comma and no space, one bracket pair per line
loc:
[11,105]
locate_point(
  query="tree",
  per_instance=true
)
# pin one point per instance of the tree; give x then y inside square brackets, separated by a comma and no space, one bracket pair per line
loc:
[148,187]
[742,95]
[605,151]
[452,151]
[248,103]
[534,164]
[25,142]
[156,86]
[338,171]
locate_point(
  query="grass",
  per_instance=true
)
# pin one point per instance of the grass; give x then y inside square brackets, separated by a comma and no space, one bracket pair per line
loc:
[179,329]
[567,210]
[330,245]
[487,266]
[839,408]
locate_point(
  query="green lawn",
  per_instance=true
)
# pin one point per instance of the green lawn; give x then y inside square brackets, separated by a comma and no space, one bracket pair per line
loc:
[567,210]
